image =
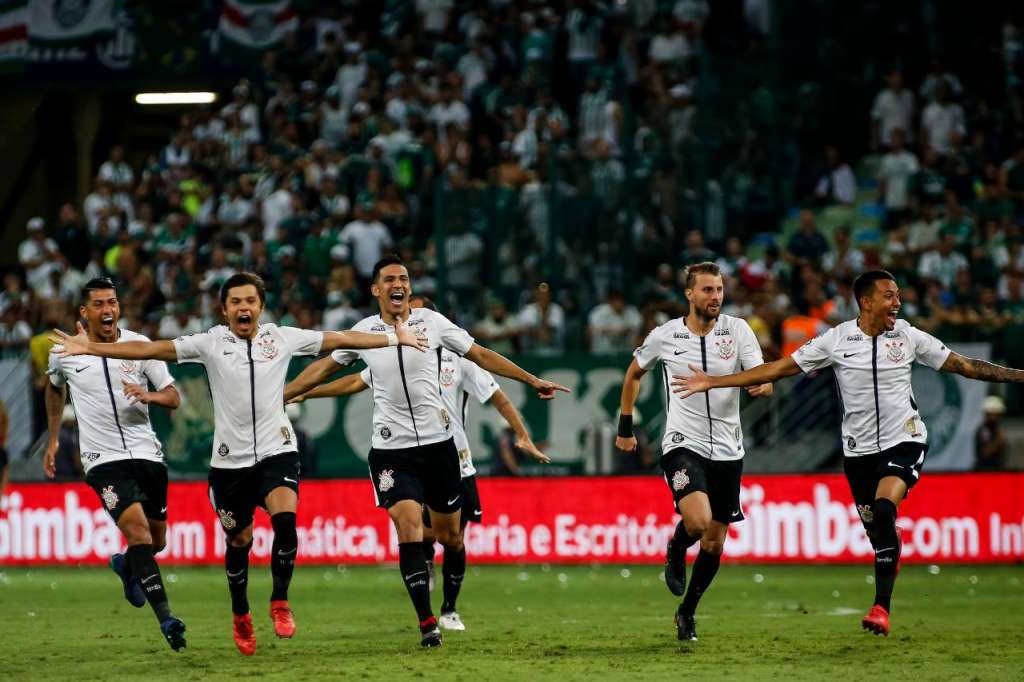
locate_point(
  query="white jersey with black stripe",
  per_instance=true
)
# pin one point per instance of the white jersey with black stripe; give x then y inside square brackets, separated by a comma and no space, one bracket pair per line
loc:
[874,378]
[705,423]
[110,427]
[408,406]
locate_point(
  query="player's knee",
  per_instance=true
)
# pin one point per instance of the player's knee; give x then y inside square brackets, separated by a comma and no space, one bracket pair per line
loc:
[451,539]
[713,546]
[242,538]
[696,526]
[137,533]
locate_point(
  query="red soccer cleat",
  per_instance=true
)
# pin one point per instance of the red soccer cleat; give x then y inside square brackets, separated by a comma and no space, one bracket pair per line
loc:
[877,621]
[284,623]
[245,635]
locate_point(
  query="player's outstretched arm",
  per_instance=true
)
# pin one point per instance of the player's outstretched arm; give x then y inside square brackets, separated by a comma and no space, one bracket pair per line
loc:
[54,398]
[352,340]
[79,344]
[499,364]
[972,368]
[316,373]
[769,372]
[625,440]
[346,385]
[507,410]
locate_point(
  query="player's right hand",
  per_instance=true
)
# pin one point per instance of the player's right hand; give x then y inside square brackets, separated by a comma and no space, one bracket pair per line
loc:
[527,446]
[625,444]
[546,389]
[697,383]
[297,399]
[407,337]
[50,459]
[66,345]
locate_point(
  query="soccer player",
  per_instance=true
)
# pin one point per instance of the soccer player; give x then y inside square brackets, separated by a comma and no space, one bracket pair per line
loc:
[459,379]
[254,460]
[703,442]
[413,458]
[121,455]
[884,438]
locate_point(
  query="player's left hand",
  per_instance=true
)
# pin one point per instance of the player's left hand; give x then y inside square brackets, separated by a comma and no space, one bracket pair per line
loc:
[66,345]
[136,393]
[760,391]
[407,337]
[698,383]
[546,389]
[527,446]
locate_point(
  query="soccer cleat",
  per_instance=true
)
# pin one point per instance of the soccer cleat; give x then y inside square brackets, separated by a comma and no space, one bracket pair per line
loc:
[686,626]
[430,575]
[431,633]
[675,570]
[451,621]
[281,614]
[174,632]
[132,589]
[877,621]
[245,635]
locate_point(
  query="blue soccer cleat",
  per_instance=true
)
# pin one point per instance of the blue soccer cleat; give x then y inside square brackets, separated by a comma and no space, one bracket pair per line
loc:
[132,589]
[174,632]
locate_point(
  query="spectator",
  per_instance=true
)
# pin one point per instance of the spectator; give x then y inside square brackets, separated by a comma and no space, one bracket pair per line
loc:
[990,442]
[943,263]
[38,254]
[613,325]
[366,238]
[893,109]
[895,174]
[808,245]
[837,185]
[542,324]
[844,262]
[695,251]
[940,120]
[497,330]
[15,333]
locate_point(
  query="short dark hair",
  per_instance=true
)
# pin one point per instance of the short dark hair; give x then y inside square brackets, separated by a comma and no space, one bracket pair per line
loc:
[864,285]
[241,279]
[96,284]
[390,259]
[705,268]
[427,302]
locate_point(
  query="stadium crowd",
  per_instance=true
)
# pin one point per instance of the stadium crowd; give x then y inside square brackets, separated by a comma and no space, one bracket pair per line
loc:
[554,143]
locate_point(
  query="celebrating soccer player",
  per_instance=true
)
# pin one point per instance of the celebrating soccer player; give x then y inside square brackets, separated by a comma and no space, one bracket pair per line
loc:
[884,438]
[121,455]
[703,443]
[413,458]
[459,379]
[255,460]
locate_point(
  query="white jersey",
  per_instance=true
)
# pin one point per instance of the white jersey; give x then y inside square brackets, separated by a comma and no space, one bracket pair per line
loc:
[873,374]
[109,427]
[460,378]
[408,410]
[247,378]
[705,423]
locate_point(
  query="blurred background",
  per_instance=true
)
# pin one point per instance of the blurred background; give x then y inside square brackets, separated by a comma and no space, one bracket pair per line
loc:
[546,169]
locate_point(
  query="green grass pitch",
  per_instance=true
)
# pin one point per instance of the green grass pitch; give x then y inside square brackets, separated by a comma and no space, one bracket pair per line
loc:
[526,623]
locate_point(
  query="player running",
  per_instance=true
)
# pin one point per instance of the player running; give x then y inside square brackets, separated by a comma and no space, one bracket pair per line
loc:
[703,442]
[413,459]
[459,380]
[254,461]
[884,438]
[121,455]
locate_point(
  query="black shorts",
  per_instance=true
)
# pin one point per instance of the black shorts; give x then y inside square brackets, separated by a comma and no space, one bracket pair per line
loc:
[687,472]
[471,509]
[235,493]
[122,483]
[863,473]
[428,474]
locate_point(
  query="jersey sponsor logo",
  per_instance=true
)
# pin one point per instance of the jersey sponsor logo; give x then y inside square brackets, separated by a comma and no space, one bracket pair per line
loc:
[286,435]
[413,323]
[223,450]
[911,427]
[892,335]
[229,339]
[738,433]
[386,480]
[680,335]
[109,497]
[227,519]
[855,337]
[378,328]
[128,366]
[90,456]
[268,348]
[447,377]
[895,351]
[677,437]
[446,419]
[722,331]
[726,348]
[385,432]
[680,480]
[851,444]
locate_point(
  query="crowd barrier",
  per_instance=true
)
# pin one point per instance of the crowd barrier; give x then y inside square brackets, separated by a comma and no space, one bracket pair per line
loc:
[789,519]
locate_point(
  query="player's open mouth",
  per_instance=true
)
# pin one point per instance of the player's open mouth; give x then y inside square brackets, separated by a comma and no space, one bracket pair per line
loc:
[397,297]
[244,318]
[891,317]
[107,323]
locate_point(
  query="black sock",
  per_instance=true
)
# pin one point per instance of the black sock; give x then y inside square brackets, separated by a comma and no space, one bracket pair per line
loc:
[236,564]
[145,570]
[284,549]
[453,570]
[681,541]
[887,551]
[428,550]
[413,566]
[704,569]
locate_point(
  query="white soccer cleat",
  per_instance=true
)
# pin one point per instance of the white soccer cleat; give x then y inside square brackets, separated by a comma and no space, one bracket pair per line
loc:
[451,621]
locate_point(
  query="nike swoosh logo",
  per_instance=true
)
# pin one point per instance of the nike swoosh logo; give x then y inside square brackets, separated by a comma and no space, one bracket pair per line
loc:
[236,573]
[146,580]
[290,480]
[477,511]
[849,355]
[282,552]
[79,370]
[229,352]
[163,510]
[898,466]
[454,499]
[413,575]
[678,352]
[735,513]
[887,549]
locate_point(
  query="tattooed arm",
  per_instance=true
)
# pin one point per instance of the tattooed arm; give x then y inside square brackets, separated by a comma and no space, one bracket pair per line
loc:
[981,370]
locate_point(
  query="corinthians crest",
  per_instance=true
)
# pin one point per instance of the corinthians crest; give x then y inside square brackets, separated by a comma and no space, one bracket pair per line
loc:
[386,480]
[268,348]
[895,351]
[109,497]
[227,519]
[128,366]
[447,377]
[726,348]
[680,480]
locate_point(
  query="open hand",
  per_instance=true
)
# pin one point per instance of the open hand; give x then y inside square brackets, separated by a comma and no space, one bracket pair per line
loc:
[760,391]
[66,345]
[527,446]
[697,383]
[407,337]
[50,459]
